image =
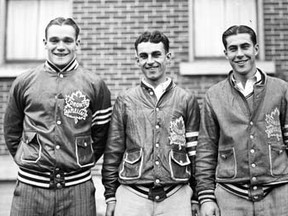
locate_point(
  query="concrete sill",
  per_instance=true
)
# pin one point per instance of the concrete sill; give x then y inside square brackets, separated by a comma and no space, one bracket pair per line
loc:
[218,67]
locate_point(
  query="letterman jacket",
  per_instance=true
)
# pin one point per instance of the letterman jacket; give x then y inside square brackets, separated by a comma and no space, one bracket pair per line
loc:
[56,124]
[242,146]
[151,141]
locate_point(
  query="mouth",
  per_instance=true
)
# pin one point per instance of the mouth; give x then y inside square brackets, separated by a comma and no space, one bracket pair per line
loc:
[241,62]
[151,68]
[61,54]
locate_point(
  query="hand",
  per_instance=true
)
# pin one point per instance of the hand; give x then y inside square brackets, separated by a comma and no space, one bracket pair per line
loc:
[210,209]
[195,209]
[110,208]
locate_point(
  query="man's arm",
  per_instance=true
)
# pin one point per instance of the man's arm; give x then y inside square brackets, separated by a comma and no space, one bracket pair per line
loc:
[207,151]
[13,118]
[192,131]
[101,119]
[114,152]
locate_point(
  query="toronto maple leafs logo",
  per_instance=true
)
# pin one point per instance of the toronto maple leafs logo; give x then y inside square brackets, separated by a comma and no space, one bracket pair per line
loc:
[177,133]
[273,128]
[76,106]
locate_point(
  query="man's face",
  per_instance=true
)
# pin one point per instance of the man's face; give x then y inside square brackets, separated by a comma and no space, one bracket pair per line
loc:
[153,60]
[61,44]
[241,53]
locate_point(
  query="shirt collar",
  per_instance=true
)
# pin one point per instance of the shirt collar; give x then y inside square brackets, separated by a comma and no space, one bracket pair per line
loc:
[72,65]
[160,89]
[249,86]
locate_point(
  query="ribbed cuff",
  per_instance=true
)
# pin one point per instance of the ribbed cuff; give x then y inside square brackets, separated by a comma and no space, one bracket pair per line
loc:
[206,195]
[110,200]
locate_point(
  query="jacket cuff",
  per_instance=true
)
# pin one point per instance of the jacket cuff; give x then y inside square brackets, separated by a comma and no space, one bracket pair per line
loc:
[206,195]
[110,200]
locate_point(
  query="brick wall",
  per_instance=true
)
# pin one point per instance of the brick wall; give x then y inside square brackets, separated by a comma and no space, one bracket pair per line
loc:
[5,85]
[110,27]
[276,34]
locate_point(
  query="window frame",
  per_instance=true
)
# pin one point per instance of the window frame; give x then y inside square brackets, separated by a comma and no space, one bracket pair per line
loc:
[13,68]
[215,66]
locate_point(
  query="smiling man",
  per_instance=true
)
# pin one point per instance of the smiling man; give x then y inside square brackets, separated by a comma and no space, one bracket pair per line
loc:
[241,162]
[55,128]
[152,139]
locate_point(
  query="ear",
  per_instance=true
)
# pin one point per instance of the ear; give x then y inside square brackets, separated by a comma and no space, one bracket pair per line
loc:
[77,44]
[256,47]
[225,53]
[137,61]
[45,42]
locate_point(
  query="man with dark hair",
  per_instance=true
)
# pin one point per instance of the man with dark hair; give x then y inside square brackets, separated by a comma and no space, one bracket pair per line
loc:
[152,141]
[55,128]
[241,162]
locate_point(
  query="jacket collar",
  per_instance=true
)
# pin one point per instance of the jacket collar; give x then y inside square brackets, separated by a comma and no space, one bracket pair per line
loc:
[69,67]
[260,82]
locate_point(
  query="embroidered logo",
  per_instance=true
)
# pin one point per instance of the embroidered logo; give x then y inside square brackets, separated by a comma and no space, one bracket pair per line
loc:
[273,128]
[177,133]
[76,106]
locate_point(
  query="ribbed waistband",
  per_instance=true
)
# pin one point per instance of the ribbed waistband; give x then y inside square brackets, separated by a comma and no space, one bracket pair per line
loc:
[53,180]
[152,192]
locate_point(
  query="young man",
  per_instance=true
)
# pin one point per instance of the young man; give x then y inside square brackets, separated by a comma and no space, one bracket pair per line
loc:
[241,162]
[152,140]
[55,127]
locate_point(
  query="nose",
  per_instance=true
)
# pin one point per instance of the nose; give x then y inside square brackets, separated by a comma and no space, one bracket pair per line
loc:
[240,53]
[60,46]
[150,60]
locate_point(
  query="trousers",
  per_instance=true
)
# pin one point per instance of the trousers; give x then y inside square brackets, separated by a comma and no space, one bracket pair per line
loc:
[273,204]
[131,204]
[78,200]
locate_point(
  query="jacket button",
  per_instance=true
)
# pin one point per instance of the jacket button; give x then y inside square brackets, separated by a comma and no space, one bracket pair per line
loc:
[57,147]
[157,181]
[253,165]
[151,93]
[157,145]
[252,151]
[254,178]
[58,122]
[157,126]
[58,176]
[157,197]
[58,185]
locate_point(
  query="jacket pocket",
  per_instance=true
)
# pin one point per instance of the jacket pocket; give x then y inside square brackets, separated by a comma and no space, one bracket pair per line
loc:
[227,165]
[84,151]
[30,148]
[131,166]
[278,160]
[179,165]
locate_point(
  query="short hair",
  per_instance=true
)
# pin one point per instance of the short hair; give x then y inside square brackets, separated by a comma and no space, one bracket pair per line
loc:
[63,21]
[153,37]
[238,29]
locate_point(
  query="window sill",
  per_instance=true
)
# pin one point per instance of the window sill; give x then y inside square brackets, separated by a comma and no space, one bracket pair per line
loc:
[14,69]
[218,67]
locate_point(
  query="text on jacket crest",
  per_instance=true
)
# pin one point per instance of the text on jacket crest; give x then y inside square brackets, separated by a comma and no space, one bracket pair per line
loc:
[76,106]
[273,128]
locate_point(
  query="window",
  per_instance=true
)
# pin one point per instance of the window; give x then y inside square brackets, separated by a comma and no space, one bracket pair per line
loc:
[208,19]
[25,26]
[213,17]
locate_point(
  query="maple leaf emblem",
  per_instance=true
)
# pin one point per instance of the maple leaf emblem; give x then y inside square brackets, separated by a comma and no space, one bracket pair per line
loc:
[177,134]
[76,106]
[273,128]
